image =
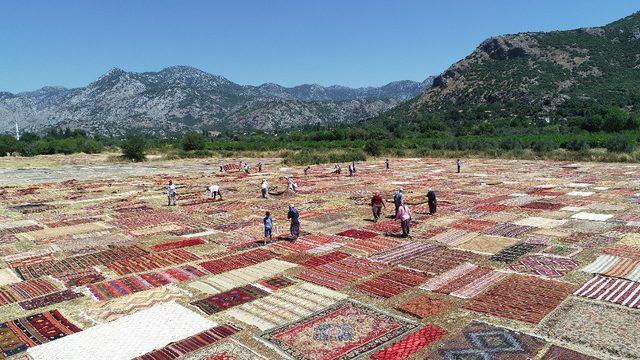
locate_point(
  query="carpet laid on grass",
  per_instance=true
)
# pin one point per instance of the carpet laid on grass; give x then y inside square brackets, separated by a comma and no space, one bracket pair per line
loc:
[343,331]
[485,341]
[596,326]
[127,337]
[524,298]
[16,336]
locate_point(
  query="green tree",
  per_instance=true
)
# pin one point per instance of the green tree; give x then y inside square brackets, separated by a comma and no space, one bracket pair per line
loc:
[8,144]
[134,147]
[373,147]
[193,141]
[615,119]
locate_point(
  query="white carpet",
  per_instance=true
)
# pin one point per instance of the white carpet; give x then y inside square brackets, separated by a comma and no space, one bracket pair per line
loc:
[591,216]
[127,337]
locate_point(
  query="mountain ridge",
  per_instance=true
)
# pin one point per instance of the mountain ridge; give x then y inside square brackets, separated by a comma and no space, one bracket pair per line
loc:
[540,75]
[180,98]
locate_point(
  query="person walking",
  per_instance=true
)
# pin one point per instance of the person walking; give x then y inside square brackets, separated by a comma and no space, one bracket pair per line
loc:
[350,167]
[264,188]
[386,164]
[268,226]
[433,201]
[404,215]
[353,166]
[377,203]
[398,199]
[260,166]
[215,191]
[294,216]
[171,193]
[458,165]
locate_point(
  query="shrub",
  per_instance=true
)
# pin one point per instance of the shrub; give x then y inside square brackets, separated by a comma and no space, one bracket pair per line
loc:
[513,144]
[543,145]
[134,147]
[373,148]
[620,144]
[578,144]
[193,141]
[8,144]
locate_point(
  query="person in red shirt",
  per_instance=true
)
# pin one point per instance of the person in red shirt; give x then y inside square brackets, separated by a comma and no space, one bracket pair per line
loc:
[377,203]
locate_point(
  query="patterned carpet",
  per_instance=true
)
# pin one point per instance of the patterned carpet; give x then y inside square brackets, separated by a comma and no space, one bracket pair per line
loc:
[518,251]
[343,331]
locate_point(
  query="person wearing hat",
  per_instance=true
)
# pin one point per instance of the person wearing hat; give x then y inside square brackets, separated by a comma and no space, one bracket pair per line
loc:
[294,215]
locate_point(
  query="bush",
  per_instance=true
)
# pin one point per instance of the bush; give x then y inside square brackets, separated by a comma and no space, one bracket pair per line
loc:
[577,145]
[373,148]
[620,144]
[134,147]
[193,141]
[544,145]
[308,157]
[513,144]
[8,144]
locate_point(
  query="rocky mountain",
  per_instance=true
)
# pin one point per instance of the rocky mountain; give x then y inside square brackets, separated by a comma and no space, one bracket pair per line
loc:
[180,98]
[540,75]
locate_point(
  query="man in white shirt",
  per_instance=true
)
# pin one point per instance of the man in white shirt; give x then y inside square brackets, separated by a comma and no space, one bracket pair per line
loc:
[171,193]
[215,191]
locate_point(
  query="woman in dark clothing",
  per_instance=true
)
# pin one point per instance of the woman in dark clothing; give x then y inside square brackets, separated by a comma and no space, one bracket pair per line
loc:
[433,202]
[295,222]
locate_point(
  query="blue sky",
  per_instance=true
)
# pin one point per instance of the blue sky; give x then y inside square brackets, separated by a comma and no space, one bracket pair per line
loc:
[346,42]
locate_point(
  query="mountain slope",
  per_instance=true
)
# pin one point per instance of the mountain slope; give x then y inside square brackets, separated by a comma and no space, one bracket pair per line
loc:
[543,75]
[180,98]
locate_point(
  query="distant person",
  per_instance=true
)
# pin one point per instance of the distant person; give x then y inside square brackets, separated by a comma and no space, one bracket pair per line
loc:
[458,164]
[246,168]
[264,188]
[404,215]
[398,199]
[291,184]
[353,166]
[433,201]
[386,164]
[171,193]
[351,171]
[306,170]
[221,166]
[260,166]
[294,216]
[268,226]
[215,191]
[377,203]
[336,169]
